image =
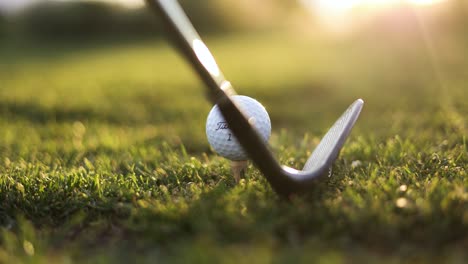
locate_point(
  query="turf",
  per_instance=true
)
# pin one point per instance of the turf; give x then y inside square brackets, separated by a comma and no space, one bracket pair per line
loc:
[103,156]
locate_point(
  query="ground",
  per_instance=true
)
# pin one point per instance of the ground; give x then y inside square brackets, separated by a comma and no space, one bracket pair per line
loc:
[103,155]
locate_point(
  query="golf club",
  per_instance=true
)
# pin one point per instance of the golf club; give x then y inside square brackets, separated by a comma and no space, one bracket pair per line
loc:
[284,180]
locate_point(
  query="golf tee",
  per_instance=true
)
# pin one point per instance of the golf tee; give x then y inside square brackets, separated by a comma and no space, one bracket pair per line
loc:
[238,168]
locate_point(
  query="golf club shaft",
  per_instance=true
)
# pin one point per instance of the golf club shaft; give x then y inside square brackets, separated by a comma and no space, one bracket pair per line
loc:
[284,180]
[195,51]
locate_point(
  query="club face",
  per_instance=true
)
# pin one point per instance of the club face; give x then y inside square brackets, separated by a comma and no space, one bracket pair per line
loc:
[321,160]
[330,145]
[284,180]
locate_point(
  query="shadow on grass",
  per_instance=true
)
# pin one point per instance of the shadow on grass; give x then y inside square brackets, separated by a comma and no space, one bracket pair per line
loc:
[42,115]
[122,115]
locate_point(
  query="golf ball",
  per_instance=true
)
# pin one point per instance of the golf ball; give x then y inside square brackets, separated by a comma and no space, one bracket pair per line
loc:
[220,136]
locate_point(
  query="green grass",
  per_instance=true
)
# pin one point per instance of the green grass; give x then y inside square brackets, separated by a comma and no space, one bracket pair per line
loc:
[103,156]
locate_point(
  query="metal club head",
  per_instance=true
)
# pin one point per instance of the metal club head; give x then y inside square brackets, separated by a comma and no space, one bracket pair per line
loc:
[284,180]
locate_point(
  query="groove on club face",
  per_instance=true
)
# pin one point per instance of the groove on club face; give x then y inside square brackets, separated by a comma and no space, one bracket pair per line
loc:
[328,148]
[284,180]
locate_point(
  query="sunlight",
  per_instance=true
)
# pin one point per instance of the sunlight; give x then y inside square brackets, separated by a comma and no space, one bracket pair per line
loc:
[425,2]
[205,57]
[339,6]
[341,14]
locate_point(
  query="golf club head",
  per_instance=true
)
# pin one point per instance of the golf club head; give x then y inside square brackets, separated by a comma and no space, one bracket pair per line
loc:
[328,148]
[284,180]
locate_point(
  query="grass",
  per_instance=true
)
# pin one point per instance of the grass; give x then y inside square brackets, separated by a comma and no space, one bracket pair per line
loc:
[103,156]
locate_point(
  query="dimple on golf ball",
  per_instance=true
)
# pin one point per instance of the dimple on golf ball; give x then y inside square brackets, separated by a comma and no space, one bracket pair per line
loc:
[221,137]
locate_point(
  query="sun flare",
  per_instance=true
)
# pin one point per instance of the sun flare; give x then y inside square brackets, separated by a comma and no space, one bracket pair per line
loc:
[341,15]
[333,4]
[344,6]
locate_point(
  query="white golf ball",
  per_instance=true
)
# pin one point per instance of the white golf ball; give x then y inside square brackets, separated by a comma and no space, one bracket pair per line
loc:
[220,136]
